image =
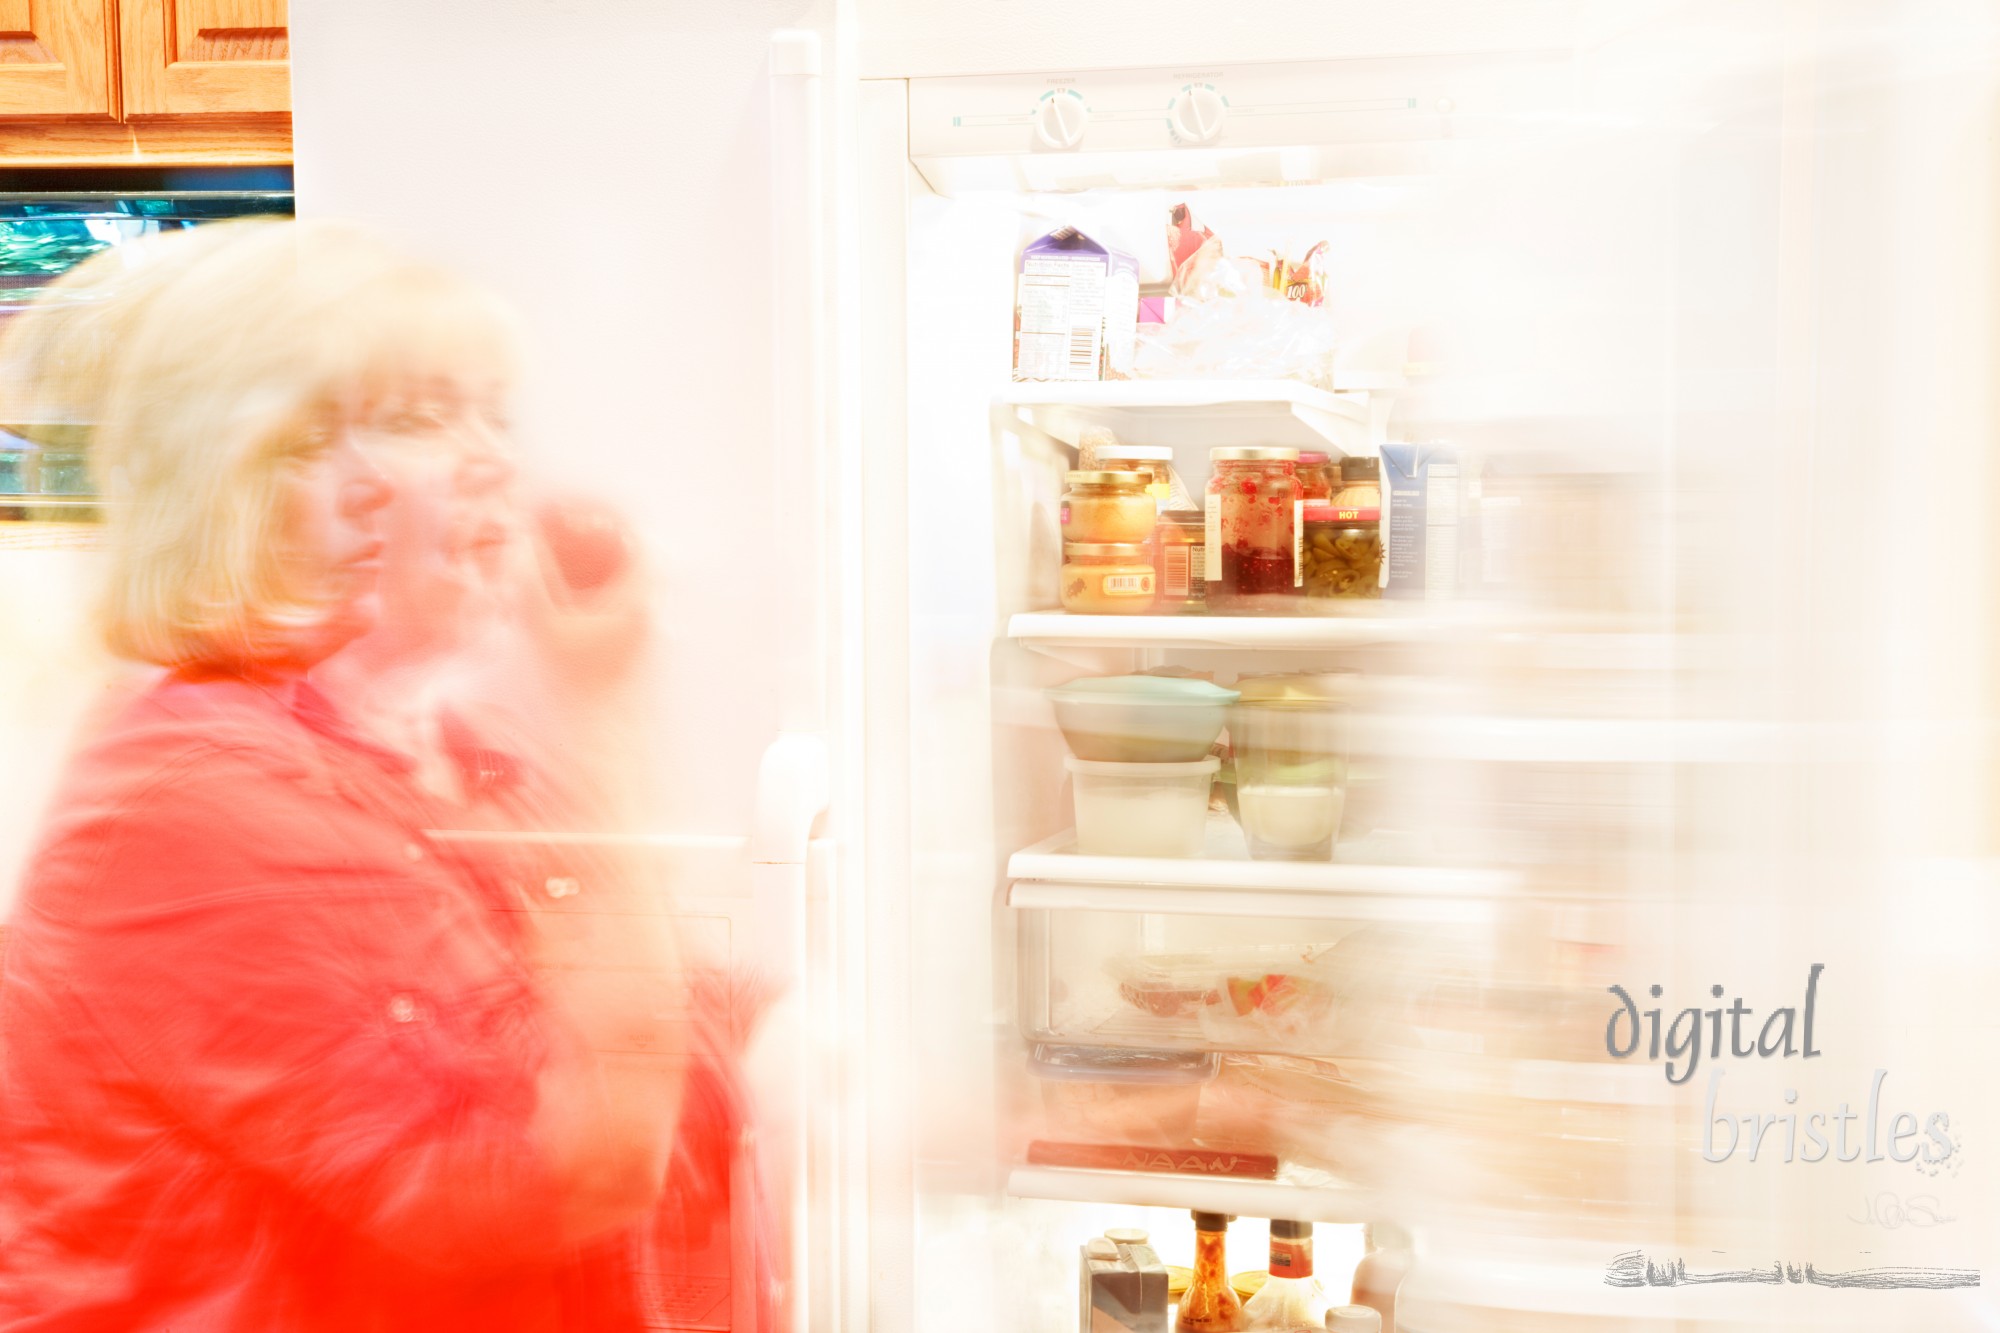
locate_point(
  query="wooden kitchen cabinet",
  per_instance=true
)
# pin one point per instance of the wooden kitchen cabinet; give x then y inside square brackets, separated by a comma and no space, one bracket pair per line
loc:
[145,82]
[203,57]
[58,58]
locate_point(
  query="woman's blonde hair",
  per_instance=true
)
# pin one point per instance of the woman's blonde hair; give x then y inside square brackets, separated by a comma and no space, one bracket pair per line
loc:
[208,362]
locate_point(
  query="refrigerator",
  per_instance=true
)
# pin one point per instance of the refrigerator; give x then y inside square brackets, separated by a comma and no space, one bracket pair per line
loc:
[1705,289]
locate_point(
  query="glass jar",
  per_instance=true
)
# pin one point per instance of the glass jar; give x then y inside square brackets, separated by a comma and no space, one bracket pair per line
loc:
[1179,547]
[1108,507]
[1108,578]
[1253,519]
[1156,463]
[1341,552]
[1319,478]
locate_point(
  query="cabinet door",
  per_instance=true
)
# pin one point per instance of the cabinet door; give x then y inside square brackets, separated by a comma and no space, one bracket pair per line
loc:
[203,57]
[55,58]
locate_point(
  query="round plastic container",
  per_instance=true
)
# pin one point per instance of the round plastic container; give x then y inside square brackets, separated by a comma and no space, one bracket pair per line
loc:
[1141,809]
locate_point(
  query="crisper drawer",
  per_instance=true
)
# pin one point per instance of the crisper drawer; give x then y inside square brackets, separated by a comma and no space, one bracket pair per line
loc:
[1416,1029]
[1323,986]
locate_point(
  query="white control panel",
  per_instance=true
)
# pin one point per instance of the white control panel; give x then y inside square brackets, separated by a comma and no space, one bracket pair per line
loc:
[1050,131]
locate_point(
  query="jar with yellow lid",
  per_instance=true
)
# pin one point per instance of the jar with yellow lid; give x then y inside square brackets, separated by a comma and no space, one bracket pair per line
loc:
[1108,578]
[1108,507]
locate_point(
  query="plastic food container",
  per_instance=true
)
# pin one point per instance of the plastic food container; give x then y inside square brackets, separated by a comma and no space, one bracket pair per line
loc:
[1097,1094]
[1141,719]
[1288,743]
[1141,809]
[1108,507]
[1114,579]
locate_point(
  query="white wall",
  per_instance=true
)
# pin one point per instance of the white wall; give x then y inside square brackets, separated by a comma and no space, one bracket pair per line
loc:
[606,165]
[915,38]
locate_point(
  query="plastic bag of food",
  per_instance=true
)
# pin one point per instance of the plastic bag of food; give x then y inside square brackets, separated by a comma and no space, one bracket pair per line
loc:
[1253,334]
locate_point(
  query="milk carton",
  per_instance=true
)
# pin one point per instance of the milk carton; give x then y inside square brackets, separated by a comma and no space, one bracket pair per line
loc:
[1076,310]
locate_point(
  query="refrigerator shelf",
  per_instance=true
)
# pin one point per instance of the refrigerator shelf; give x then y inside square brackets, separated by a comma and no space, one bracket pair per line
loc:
[1047,631]
[1241,1198]
[1225,882]
[1201,414]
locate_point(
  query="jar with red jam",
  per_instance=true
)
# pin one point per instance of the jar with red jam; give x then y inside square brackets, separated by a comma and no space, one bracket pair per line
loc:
[1254,520]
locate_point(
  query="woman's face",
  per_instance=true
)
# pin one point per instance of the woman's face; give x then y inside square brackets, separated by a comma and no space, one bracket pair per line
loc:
[333,544]
[443,443]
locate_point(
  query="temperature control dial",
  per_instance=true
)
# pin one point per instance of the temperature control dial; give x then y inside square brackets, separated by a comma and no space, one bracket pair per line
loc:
[1060,119]
[1197,114]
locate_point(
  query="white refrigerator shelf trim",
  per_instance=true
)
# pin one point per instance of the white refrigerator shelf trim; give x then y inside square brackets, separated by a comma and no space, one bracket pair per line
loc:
[1242,1198]
[1059,629]
[1197,412]
[1052,868]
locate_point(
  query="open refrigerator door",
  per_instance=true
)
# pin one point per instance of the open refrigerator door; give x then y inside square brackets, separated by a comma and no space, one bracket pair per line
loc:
[1545,303]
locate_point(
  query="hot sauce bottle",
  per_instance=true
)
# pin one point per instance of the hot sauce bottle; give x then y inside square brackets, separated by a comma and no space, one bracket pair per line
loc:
[1210,1305]
[1292,1296]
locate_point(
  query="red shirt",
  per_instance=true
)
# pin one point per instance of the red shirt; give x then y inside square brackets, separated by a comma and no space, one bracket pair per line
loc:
[267,1060]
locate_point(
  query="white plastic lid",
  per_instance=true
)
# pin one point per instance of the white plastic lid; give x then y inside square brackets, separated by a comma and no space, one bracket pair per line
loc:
[1354,1319]
[1125,1235]
[1107,768]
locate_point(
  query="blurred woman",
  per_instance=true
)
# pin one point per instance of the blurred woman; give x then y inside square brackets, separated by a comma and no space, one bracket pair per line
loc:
[270,1058]
[502,667]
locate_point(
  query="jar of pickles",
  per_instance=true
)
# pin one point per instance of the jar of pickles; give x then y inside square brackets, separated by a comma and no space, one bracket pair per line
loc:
[1108,507]
[1319,476]
[1108,578]
[1178,546]
[1253,529]
[1341,552]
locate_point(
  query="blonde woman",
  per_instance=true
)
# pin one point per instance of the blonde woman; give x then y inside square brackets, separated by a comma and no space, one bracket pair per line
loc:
[269,1058]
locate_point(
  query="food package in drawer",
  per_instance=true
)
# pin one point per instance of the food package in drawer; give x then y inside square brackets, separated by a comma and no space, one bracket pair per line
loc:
[1164,985]
[1258,996]
[1103,1094]
[1272,997]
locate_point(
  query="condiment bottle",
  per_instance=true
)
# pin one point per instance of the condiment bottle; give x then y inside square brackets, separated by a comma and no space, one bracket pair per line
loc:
[1209,1305]
[1318,478]
[1360,483]
[1382,1270]
[1255,518]
[1180,549]
[1292,1296]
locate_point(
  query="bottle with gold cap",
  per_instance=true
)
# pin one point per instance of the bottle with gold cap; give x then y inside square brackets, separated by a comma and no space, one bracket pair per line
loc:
[1209,1305]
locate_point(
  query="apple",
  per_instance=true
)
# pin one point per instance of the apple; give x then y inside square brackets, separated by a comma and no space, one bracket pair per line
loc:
[587,540]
